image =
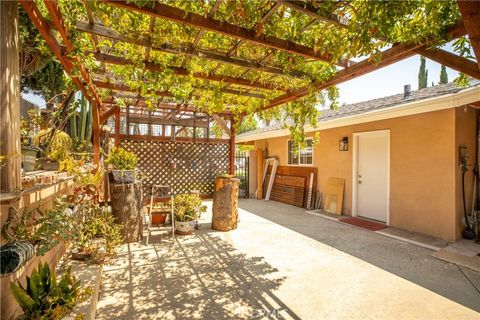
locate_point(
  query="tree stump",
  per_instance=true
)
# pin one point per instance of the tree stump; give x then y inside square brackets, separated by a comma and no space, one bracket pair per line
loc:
[225,204]
[127,208]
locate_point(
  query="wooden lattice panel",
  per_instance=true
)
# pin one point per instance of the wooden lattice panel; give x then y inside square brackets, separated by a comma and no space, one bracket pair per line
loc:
[184,166]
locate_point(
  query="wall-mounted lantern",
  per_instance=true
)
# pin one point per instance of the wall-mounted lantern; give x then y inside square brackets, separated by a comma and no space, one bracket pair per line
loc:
[343,144]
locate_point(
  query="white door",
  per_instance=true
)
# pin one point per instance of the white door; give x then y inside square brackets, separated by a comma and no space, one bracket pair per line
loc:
[372,174]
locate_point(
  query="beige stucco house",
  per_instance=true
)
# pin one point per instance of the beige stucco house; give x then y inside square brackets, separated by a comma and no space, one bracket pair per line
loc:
[402,163]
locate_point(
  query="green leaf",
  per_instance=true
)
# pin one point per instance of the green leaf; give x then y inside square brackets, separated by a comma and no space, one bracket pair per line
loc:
[22,297]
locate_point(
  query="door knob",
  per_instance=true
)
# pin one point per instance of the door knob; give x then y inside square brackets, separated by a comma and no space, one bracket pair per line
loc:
[359,182]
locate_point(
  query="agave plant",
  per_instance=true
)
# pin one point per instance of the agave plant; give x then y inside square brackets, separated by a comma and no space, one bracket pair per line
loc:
[45,298]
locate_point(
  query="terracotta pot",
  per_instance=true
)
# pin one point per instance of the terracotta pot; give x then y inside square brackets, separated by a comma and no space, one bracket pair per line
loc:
[159,217]
[184,227]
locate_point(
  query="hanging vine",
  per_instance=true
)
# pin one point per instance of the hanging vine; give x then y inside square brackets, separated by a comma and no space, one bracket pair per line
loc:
[369,27]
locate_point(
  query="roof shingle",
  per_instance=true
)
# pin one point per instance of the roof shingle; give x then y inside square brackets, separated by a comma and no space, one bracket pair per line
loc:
[378,104]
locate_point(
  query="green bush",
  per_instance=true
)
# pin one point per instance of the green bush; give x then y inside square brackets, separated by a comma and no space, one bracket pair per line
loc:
[46,299]
[121,159]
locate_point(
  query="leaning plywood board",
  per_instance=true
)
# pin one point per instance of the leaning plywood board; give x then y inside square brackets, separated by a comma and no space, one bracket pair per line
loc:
[333,195]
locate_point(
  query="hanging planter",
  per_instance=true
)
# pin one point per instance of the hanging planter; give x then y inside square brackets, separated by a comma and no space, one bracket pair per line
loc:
[13,255]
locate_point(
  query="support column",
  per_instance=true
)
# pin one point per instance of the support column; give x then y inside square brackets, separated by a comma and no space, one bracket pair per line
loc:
[232,146]
[9,98]
[96,134]
[117,128]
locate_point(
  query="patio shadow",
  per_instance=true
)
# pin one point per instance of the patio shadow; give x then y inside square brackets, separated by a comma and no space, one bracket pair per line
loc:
[197,277]
[405,260]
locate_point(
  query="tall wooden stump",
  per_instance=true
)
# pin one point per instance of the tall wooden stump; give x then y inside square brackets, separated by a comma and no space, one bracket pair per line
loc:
[127,207]
[225,204]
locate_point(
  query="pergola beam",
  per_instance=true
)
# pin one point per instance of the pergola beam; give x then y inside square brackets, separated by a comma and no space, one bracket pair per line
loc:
[470,11]
[452,61]
[310,11]
[122,87]
[91,20]
[136,118]
[183,50]
[151,66]
[150,31]
[45,30]
[206,23]
[221,123]
[395,53]
[210,15]
[107,114]
[59,25]
[166,106]
[125,88]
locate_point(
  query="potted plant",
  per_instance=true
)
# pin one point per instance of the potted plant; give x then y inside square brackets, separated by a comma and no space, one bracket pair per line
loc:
[187,208]
[46,298]
[29,151]
[100,234]
[159,211]
[57,146]
[124,165]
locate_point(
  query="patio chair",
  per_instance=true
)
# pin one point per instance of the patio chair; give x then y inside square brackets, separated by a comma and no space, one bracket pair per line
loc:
[163,193]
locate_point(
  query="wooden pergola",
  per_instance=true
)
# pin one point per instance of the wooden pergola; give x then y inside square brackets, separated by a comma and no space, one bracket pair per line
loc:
[174,117]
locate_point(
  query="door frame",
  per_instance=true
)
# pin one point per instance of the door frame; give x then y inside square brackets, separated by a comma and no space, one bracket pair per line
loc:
[356,135]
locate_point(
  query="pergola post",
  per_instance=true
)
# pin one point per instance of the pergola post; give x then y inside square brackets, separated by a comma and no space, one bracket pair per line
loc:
[470,11]
[96,134]
[232,145]
[117,128]
[9,98]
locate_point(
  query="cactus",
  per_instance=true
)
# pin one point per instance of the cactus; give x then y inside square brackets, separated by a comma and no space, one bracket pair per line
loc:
[80,124]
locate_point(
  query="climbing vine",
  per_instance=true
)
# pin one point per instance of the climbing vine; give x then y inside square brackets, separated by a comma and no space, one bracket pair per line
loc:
[369,27]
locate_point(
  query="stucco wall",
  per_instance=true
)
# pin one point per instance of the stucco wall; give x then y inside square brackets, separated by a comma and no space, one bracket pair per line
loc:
[465,132]
[423,175]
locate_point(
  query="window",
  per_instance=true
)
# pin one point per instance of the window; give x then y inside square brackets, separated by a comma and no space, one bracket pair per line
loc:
[303,157]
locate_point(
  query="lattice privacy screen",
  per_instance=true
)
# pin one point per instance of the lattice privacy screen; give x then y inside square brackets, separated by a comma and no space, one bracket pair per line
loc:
[184,166]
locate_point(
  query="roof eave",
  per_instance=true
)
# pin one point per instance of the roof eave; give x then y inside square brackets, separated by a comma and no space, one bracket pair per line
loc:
[448,101]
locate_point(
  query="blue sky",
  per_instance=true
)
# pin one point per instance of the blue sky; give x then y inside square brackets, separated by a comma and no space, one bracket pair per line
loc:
[390,80]
[380,83]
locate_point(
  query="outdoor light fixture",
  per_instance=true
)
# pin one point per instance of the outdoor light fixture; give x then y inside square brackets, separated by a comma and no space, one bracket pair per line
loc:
[343,144]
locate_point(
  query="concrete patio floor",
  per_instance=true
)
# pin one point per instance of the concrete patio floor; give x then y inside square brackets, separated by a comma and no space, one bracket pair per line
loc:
[283,263]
